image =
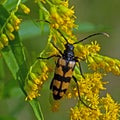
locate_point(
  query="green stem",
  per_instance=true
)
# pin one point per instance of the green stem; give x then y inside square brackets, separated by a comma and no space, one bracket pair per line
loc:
[37,109]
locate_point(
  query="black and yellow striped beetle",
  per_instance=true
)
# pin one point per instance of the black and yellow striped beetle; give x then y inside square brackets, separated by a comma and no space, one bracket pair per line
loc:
[64,68]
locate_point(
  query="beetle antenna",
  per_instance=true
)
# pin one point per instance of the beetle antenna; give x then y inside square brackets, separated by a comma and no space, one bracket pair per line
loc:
[57,29]
[62,35]
[43,21]
[103,33]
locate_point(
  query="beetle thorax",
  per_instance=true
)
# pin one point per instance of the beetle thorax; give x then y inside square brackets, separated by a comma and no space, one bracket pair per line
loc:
[68,52]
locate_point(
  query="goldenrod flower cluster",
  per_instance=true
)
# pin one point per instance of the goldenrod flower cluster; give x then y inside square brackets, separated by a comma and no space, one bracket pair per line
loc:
[61,20]
[60,17]
[107,110]
[10,24]
[88,86]
[83,51]
[38,74]
[107,64]
[91,86]
[35,80]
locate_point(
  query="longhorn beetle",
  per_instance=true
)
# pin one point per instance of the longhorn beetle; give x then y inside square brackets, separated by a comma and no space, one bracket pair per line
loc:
[64,68]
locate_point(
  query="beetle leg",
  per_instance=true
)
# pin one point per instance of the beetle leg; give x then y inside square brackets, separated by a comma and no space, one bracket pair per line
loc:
[79,94]
[81,70]
[48,57]
[76,60]
[57,48]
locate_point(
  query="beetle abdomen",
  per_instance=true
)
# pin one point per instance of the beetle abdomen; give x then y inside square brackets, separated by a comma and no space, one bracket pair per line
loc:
[62,77]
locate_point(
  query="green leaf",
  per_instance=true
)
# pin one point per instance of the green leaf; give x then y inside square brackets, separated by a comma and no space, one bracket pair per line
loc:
[3,1]
[3,16]
[14,54]
[7,118]
[31,28]
[37,109]
[10,61]
[18,51]
[2,74]
[11,4]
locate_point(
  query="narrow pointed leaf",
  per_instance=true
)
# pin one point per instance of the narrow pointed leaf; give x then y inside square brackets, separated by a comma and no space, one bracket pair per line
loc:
[37,109]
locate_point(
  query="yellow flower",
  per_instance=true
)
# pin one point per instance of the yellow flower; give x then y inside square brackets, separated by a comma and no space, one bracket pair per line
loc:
[110,108]
[10,35]
[62,17]
[33,94]
[10,24]
[15,20]
[25,8]
[86,51]
[94,47]
[106,110]
[10,27]
[34,81]
[31,90]
[89,88]
[97,62]
[54,14]
[4,39]
[63,10]
[83,113]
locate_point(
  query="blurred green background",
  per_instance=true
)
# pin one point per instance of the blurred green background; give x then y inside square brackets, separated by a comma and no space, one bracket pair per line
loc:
[92,16]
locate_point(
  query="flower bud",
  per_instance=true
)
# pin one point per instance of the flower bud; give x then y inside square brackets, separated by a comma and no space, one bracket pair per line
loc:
[10,27]
[25,8]
[10,35]
[15,21]
[4,39]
